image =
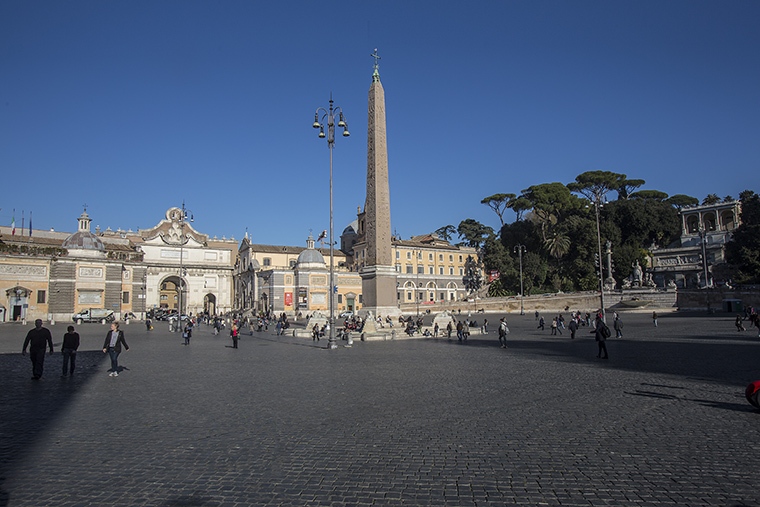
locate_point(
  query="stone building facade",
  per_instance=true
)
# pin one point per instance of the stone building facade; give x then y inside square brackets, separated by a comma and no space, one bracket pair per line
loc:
[287,279]
[176,255]
[681,264]
[53,275]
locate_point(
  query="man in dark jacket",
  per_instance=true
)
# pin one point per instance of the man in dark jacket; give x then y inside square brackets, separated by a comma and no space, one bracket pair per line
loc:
[69,350]
[601,333]
[573,327]
[38,337]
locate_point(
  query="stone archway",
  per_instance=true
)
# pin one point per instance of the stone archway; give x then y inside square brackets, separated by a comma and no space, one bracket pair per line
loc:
[209,304]
[168,293]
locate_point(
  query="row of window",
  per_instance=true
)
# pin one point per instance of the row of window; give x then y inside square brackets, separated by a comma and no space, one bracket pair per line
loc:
[42,297]
[431,270]
[430,256]
[431,296]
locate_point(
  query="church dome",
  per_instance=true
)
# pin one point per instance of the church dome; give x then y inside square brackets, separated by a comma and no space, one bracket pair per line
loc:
[310,258]
[351,228]
[83,240]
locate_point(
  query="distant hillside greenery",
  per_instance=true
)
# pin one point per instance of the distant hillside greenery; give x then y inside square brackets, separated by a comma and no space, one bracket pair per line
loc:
[556,225]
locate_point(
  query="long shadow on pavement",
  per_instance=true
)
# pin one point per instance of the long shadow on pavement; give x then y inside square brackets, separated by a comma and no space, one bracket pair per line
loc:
[29,407]
[700,357]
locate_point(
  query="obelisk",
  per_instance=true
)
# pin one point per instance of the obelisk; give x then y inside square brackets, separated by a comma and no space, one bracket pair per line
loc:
[378,274]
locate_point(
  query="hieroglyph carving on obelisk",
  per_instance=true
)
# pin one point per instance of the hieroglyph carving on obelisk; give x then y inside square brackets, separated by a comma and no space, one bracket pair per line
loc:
[378,275]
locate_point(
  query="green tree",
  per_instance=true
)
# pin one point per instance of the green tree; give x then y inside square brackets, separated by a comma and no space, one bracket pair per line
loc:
[743,252]
[535,270]
[495,255]
[649,194]
[519,205]
[472,279]
[550,203]
[473,232]
[557,245]
[681,201]
[499,203]
[625,186]
[497,290]
[641,222]
[594,185]
[446,232]
[711,199]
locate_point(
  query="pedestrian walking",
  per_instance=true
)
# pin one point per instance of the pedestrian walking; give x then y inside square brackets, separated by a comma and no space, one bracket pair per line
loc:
[503,332]
[460,327]
[112,345]
[654,318]
[69,351]
[234,335]
[618,325]
[754,318]
[435,330]
[573,327]
[541,323]
[37,339]
[448,330]
[315,333]
[148,324]
[601,333]
[554,326]
[739,323]
[485,326]
[187,333]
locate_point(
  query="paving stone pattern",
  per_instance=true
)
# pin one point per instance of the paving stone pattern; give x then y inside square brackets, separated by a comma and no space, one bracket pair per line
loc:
[281,421]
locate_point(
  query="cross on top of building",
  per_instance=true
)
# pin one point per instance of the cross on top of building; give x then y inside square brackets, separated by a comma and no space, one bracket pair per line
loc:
[376,73]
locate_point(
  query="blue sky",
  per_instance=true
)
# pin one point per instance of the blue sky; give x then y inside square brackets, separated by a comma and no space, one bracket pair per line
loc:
[134,106]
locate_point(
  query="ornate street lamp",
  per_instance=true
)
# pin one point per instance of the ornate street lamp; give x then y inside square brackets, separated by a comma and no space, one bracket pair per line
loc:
[598,204]
[703,245]
[182,218]
[328,118]
[520,249]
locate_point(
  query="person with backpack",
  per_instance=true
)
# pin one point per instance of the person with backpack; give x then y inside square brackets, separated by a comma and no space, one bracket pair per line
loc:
[601,333]
[618,325]
[503,332]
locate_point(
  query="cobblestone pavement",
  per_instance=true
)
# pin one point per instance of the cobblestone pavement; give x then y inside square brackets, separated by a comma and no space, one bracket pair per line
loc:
[280,421]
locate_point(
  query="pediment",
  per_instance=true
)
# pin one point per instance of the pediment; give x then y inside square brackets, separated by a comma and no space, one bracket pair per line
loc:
[173,231]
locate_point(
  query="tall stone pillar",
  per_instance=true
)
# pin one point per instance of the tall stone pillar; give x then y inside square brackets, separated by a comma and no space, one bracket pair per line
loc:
[378,274]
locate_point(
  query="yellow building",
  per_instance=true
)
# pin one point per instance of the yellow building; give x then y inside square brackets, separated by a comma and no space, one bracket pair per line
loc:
[52,276]
[293,279]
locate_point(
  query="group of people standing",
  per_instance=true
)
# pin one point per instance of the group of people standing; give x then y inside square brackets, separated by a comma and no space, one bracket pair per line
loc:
[750,315]
[39,339]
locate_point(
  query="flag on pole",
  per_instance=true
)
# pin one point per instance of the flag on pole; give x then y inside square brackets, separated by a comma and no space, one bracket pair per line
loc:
[13,223]
[30,224]
[322,235]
